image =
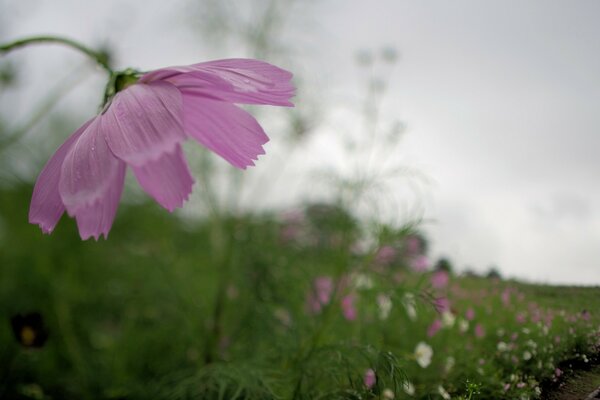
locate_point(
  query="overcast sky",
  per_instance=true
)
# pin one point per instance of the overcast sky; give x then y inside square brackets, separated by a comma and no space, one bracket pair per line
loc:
[500,100]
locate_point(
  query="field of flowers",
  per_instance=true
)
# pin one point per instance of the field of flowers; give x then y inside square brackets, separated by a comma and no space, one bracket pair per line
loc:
[308,304]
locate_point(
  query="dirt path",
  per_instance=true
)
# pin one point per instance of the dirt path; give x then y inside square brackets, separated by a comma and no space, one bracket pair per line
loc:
[579,386]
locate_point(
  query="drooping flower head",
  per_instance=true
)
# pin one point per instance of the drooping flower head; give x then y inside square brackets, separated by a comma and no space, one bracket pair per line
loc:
[143,127]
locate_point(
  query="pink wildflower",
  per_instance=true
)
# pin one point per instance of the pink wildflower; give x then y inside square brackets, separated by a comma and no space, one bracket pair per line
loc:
[143,127]
[385,255]
[348,308]
[320,293]
[558,372]
[435,326]
[439,279]
[419,263]
[369,378]
[470,314]
[413,246]
[479,331]
[442,304]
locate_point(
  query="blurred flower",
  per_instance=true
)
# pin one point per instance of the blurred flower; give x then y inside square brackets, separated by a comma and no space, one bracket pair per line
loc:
[419,263]
[385,255]
[143,126]
[439,279]
[413,246]
[388,394]
[369,378]
[348,308]
[435,326]
[558,372]
[384,302]
[409,388]
[320,293]
[423,354]
[445,395]
[463,325]
[470,314]
[448,319]
[361,281]
[501,346]
[527,355]
[479,331]
[442,304]
[29,329]
[410,306]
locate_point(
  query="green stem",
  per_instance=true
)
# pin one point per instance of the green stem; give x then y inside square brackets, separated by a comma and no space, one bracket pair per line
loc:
[100,58]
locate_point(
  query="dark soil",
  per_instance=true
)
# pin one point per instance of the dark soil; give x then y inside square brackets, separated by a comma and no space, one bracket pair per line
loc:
[578,386]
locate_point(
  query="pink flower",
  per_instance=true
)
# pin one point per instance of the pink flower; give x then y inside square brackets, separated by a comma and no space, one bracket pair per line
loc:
[470,314]
[435,326]
[442,304]
[419,263]
[143,127]
[385,255]
[479,331]
[369,378]
[439,279]
[320,293]
[348,308]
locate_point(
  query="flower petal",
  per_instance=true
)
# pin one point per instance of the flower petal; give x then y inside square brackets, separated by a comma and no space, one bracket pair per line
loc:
[143,122]
[167,180]
[46,205]
[237,80]
[91,182]
[97,218]
[224,128]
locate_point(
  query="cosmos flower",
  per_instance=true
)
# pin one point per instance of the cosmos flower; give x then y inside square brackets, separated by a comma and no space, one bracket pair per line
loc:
[143,126]
[435,326]
[369,379]
[320,294]
[439,279]
[479,331]
[348,307]
[423,354]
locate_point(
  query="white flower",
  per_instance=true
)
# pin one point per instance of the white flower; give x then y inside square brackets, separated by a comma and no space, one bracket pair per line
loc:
[409,304]
[362,281]
[448,319]
[463,325]
[385,306]
[545,330]
[585,359]
[409,388]
[500,332]
[501,346]
[443,393]
[526,331]
[423,354]
[527,356]
[388,394]
[531,344]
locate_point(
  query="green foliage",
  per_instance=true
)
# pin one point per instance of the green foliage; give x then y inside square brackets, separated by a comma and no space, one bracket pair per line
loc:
[220,309]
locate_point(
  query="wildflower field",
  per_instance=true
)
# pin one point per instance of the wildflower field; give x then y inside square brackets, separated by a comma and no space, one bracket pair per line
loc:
[300,304]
